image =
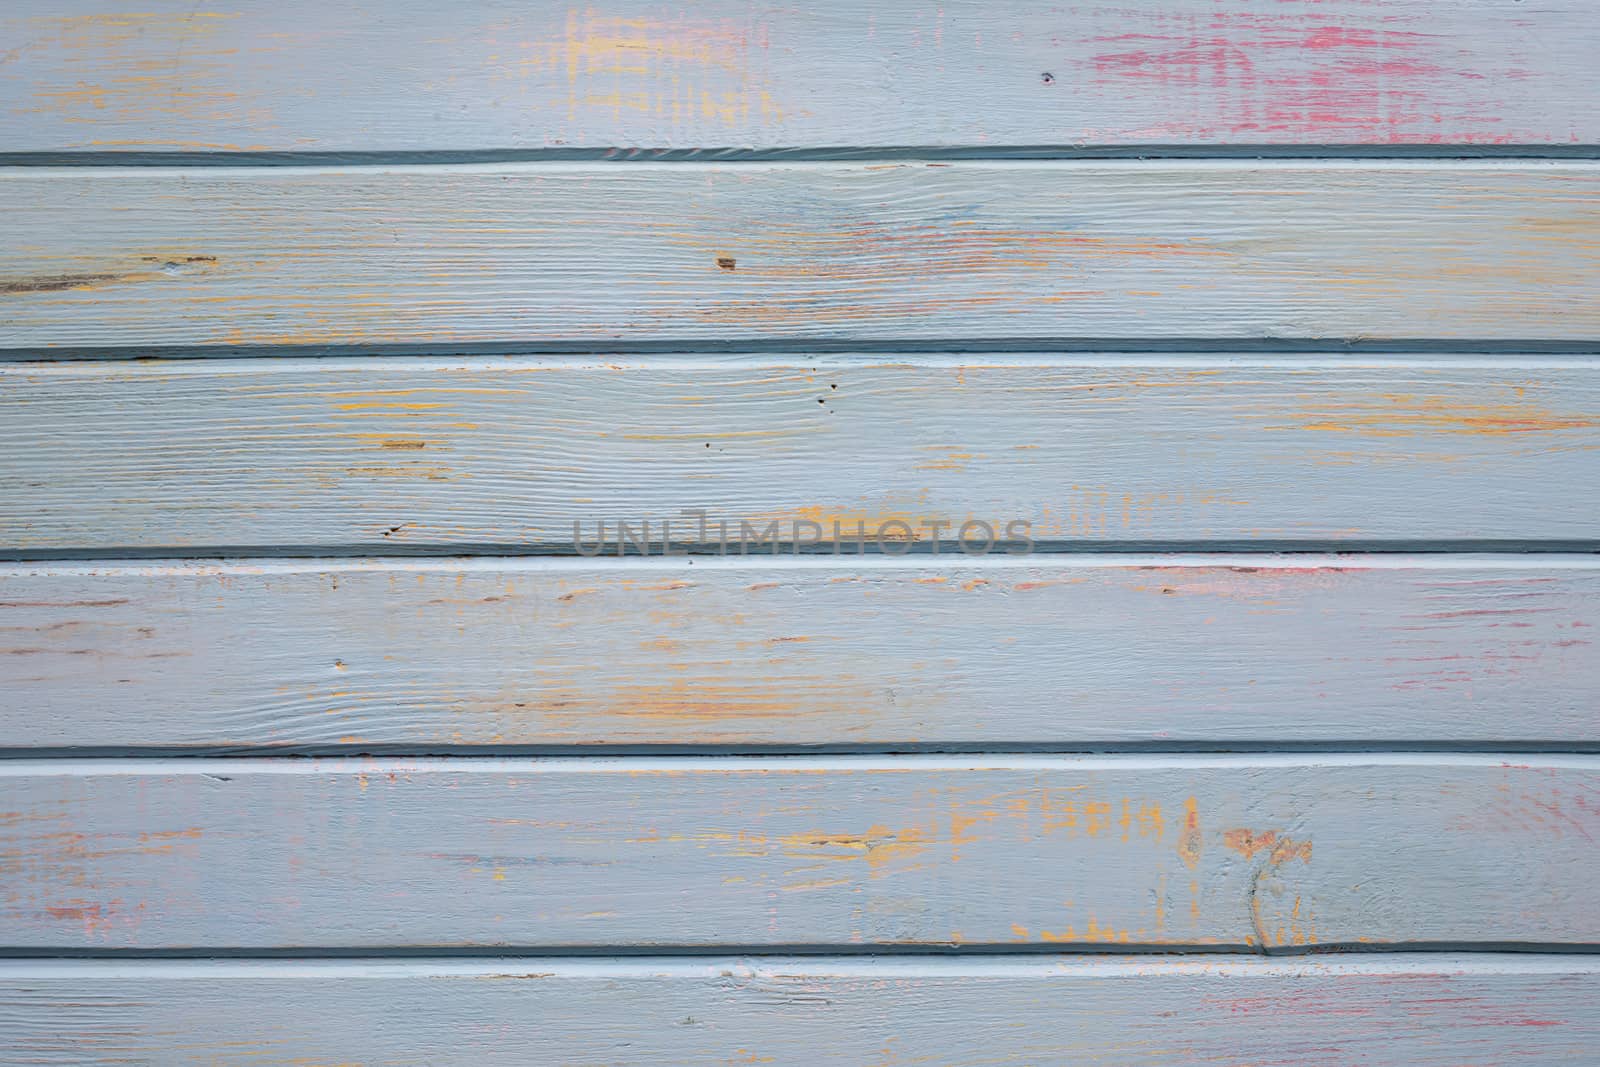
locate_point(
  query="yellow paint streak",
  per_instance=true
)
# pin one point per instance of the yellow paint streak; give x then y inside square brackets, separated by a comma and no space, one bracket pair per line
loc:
[1093,933]
[879,846]
[684,71]
[849,524]
[1189,841]
[135,67]
[699,700]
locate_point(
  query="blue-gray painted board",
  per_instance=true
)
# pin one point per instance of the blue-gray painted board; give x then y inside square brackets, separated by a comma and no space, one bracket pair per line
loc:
[403,75]
[358,454]
[518,254]
[1263,850]
[997,650]
[1228,1011]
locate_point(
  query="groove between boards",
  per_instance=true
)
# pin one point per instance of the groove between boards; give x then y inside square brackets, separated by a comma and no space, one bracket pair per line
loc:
[864,348]
[223,770]
[504,964]
[977,951]
[880,563]
[818,154]
[996,749]
[1345,550]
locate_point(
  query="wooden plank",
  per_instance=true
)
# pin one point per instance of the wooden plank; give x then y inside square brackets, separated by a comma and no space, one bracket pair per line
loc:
[812,651]
[1403,1010]
[773,851]
[517,254]
[399,75]
[357,454]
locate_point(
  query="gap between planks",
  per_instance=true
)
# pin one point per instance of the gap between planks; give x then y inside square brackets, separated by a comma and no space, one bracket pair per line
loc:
[446,562]
[1535,551]
[876,965]
[728,355]
[221,769]
[821,154]
[611,353]
[1211,161]
[254,754]
[1000,954]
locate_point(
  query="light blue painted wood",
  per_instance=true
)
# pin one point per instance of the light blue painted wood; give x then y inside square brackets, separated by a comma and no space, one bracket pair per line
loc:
[398,75]
[993,651]
[518,254]
[1422,1011]
[361,454]
[887,851]
[994,851]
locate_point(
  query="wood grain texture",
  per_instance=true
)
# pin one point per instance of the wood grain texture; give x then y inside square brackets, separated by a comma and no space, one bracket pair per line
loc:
[773,851]
[404,75]
[516,254]
[358,452]
[793,652]
[1416,1011]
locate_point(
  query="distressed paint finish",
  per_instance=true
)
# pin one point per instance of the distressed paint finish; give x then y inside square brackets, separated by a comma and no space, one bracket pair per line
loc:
[1228,1011]
[811,651]
[353,454]
[442,445]
[772,851]
[402,75]
[515,254]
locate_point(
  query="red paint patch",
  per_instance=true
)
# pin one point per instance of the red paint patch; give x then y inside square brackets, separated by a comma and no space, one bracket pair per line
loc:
[95,917]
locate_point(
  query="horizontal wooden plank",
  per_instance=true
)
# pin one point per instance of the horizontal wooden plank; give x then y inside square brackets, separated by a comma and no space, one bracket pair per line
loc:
[995,650]
[398,75]
[356,454]
[1403,1011]
[774,851]
[517,254]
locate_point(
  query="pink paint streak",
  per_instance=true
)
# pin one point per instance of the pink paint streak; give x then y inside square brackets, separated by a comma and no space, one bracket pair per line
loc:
[1300,75]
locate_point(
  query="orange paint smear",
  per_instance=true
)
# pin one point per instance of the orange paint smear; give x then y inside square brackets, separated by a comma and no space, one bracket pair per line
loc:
[858,271]
[1408,415]
[1280,849]
[1189,843]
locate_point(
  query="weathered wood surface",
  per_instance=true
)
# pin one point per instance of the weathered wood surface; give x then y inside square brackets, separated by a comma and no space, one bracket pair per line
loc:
[399,75]
[516,254]
[736,851]
[360,453]
[1228,1011]
[814,651]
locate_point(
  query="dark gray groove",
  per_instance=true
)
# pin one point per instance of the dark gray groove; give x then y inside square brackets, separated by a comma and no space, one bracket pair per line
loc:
[818,154]
[632,951]
[1087,546]
[865,347]
[995,748]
